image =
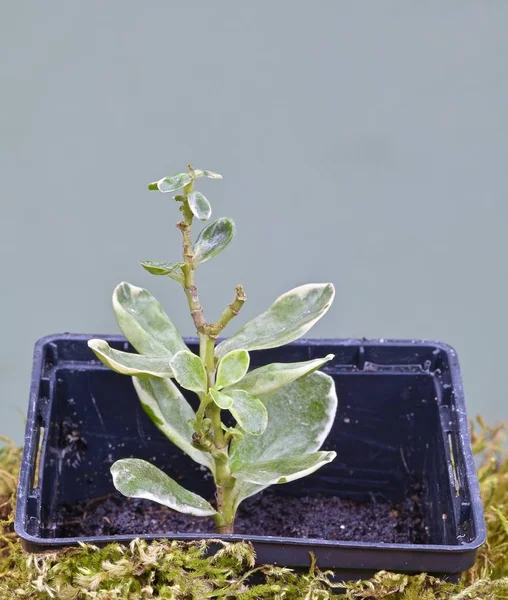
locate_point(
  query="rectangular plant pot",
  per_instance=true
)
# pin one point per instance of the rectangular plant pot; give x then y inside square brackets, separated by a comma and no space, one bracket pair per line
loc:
[401,418]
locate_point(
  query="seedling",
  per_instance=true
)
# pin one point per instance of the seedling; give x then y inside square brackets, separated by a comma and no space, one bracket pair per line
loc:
[281,413]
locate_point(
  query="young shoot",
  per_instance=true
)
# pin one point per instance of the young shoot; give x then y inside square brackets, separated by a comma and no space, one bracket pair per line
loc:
[282,412]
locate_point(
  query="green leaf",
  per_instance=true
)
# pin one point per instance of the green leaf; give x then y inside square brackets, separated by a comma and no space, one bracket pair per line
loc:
[222,400]
[189,371]
[128,363]
[232,368]
[173,270]
[284,470]
[172,414]
[234,432]
[289,317]
[170,184]
[272,377]
[199,206]
[213,239]
[144,323]
[250,413]
[203,173]
[300,416]
[136,478]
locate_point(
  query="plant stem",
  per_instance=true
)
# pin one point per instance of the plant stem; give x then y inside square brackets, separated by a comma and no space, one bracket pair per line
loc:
[217,442]
[223,480]
[224,519]
[213,411]
[189,267]
[230,312]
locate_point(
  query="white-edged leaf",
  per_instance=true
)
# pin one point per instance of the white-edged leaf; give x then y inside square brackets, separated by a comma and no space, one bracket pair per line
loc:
[128,363]
[232,368]
[171,413]
[136,478]
[289,317]
[171,184]
[300,416]
[272,377]
[213,239]
[222,400]
[144,323]
[250,413]
[284,470]
[199,205]
[189,371]
[204,173]
[173,270]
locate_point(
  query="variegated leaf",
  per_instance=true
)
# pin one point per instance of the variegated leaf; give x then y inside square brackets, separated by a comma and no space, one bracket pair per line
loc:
[232,368]
[213,239]
[309,405]
[199,205]
[189,371]
[171,184]
[144,323]
[289,317]
[283,470]
[173,270]
[136,478]
[128,363]
[272,377]
[203,173]
[222,400]
[250,413]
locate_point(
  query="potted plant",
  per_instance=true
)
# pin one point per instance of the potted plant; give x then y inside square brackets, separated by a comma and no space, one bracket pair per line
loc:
[391,481]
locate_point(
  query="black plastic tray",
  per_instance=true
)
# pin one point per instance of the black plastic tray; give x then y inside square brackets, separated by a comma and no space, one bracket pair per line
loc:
[401,416]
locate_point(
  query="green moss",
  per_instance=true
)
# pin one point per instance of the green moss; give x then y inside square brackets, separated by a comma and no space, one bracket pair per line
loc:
[183,571]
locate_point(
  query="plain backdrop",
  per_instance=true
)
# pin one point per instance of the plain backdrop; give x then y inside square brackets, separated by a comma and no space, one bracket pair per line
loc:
[363,143]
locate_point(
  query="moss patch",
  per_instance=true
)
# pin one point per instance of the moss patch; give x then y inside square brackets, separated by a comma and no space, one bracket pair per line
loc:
[183,571]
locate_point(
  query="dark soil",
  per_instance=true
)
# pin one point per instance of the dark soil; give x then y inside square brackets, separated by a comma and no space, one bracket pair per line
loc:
[265,514]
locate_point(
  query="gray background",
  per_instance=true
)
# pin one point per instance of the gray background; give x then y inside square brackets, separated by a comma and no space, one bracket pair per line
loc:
[363,143]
